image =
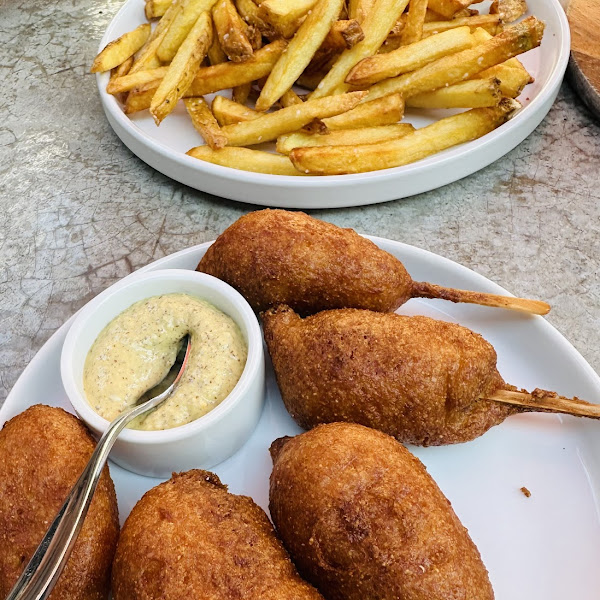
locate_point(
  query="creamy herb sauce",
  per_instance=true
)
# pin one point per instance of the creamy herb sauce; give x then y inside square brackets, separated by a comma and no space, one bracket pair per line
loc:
[136,350]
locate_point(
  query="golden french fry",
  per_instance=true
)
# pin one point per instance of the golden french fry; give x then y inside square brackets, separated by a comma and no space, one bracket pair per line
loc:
[448,8]
[245,159]
[300,51]
[413,28]
[122,69]
[431,15]
[509,10]
[285,15]
[512,79]
[410,58]
[465,64]
[249,11]
[376,26]
[136,80]
[181,26]
[229,75]
[359,9]
[270,126]
[147,58]
[310,81]
[119,50]
[205,123]
[475,93]
[231,30]
[183,68]
[466,126]
[383,111]
[156,8]
[215,52]
[343,35]
[290,98]
[240,93]
[343,137]
[491,23]
[513,76]
[228,112]
[138,100]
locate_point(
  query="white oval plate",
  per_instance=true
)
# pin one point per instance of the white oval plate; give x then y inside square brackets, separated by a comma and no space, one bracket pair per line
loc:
[164,147]
[545,547]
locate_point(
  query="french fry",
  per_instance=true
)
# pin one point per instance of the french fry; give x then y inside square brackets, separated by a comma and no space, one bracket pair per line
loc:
[509,10]
[240,93]
[119,50]
[513,76]
[475,93]
[227,112]
[215,53]
[245,159]
[181,26]
[448,8]
[122,69]
[205,123]
[343,35]
[465,64]
[137,101]
[300,51]
[359,9]
[410,58]
[376,26]
[290,98]
[450,131]
[431,15]
[229,75]
[182,69]
[147,58]
[155,9]
[136,80]
[413,28]
[383,111]
[512,79]
[310,81]
[285,15]
[249,11]
[231,30]
[254,37]
[343,137]
[270,126]
[491,23]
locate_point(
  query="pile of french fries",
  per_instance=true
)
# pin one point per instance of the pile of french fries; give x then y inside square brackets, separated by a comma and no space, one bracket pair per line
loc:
[327,80]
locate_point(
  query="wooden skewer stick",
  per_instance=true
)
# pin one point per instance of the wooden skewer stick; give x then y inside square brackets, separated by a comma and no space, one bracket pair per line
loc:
[422,289]
[542,400]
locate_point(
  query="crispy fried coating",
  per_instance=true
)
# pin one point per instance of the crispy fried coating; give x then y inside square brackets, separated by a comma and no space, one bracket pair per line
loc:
[414,378]
[42,453]
[362,518]
[279,257]
[190,538]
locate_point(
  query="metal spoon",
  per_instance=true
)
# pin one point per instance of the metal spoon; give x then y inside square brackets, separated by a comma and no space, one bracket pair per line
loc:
[46,565]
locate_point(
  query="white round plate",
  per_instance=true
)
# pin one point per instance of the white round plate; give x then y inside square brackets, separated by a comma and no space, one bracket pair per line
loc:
[546,547]
[164,147]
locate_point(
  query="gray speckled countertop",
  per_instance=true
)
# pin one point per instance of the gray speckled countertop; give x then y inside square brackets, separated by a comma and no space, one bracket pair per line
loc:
[79,211]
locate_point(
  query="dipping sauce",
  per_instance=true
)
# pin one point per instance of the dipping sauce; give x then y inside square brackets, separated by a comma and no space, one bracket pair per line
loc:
[137,349]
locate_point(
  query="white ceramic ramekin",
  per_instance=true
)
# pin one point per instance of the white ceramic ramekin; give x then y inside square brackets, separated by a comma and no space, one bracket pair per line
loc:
[203,443]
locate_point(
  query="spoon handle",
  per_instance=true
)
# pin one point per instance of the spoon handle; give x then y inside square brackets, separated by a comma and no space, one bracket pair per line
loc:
[46,565]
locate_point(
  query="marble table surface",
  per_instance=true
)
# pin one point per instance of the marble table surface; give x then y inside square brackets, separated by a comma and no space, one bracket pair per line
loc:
[78,211]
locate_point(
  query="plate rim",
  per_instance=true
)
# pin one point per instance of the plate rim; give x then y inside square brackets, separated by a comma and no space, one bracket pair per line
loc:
[198,169]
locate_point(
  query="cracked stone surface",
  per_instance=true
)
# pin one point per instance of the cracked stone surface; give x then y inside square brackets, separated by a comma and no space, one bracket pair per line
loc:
[78,211]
